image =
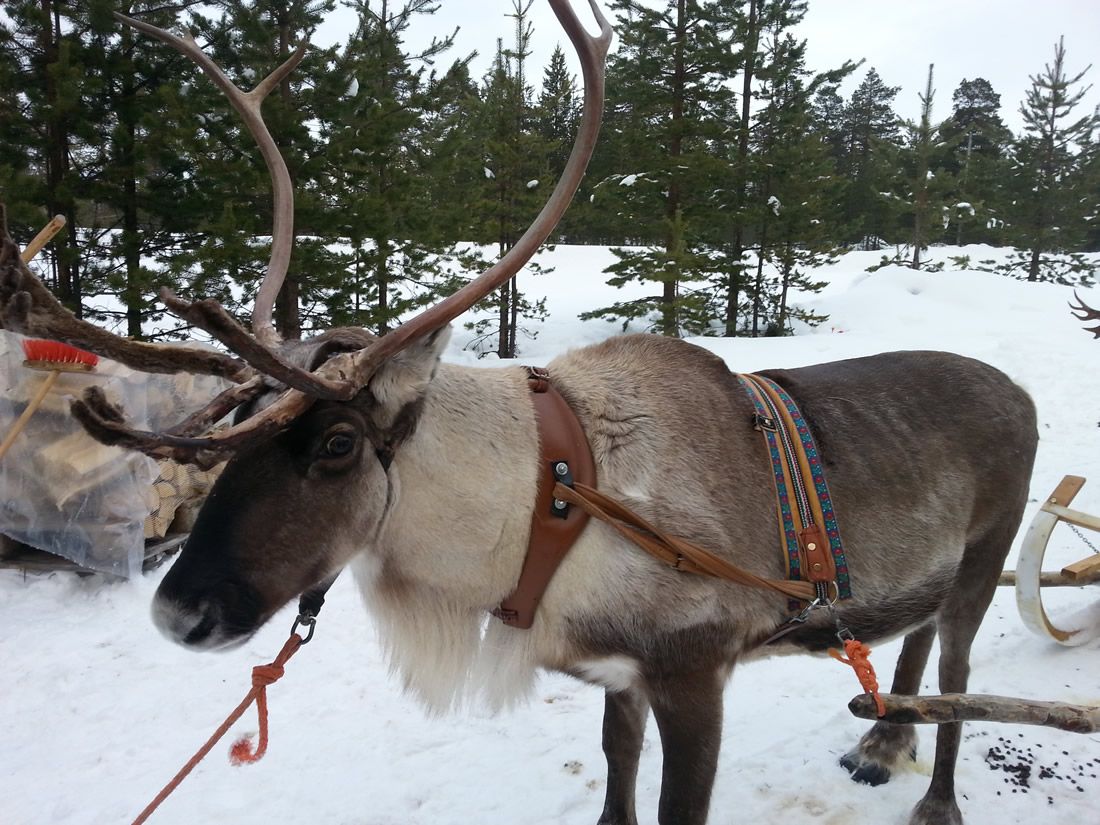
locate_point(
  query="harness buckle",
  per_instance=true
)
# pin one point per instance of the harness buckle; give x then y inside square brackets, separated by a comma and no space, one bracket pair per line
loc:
[763,422]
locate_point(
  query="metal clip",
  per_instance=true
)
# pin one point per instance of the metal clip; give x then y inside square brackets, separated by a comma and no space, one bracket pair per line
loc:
[307,619]
[762,422]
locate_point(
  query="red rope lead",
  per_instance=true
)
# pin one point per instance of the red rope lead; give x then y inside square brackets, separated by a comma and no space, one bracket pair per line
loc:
[857,659]
[240,753]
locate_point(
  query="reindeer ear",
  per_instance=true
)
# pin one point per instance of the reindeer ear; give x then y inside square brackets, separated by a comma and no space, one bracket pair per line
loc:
[404,378]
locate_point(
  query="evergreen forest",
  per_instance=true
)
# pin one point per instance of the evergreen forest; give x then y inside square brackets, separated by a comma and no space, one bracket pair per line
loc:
[727,171]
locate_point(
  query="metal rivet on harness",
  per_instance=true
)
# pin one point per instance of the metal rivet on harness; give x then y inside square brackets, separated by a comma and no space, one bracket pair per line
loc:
[563,474]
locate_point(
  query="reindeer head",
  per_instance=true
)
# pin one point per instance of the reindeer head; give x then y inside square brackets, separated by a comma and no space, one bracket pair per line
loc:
[316,423]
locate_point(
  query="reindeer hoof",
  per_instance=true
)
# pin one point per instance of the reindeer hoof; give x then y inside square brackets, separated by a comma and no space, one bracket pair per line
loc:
[934,811]
[869,771]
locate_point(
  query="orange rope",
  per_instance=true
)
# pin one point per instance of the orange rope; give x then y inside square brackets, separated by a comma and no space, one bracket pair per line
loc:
[240,753]
[858,660]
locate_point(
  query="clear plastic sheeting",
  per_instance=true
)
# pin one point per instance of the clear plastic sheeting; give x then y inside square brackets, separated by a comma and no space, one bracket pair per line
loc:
[62,491]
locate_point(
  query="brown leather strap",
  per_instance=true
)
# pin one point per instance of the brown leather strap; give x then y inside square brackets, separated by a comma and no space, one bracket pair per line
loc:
[672,550]
[555,526]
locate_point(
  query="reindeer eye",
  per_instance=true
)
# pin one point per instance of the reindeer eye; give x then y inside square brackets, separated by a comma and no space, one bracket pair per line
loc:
[339,445]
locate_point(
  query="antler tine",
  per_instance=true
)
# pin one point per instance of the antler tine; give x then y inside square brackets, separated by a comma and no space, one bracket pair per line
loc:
[209,315]
[29,308]
[248,106]
[104,422]
[1087,313]
[356,369]
[218,408]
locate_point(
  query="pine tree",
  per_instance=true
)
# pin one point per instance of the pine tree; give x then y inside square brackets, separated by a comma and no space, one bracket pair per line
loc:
[516,175]
[248,40]
[1048,215]
[795,186]
[133,188]
[926,185]
[46,67]
[379,110]
[975,145]
[671,113]
[871,132]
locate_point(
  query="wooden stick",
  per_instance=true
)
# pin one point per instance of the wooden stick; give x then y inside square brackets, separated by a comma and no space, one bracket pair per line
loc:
[1008,579]
[43,237]
[967,707]
[21,422]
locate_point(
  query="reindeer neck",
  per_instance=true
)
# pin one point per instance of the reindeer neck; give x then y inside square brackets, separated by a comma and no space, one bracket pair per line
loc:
[466,483]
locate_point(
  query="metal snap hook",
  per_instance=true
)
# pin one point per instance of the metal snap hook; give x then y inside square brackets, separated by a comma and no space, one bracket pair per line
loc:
[307,619]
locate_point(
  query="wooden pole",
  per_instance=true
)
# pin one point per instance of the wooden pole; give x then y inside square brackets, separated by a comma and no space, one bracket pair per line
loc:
[1008,579]
[967,707]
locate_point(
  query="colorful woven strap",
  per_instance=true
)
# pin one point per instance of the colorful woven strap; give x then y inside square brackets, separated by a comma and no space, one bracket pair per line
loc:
[803,503]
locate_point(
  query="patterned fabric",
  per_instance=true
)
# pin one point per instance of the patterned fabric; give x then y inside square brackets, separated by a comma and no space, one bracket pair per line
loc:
[783,450]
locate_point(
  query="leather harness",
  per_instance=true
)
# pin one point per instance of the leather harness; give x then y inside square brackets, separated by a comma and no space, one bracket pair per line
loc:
[567,496]
[565,458]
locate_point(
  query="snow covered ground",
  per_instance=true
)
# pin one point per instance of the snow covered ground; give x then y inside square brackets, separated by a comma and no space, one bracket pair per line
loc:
[97,711]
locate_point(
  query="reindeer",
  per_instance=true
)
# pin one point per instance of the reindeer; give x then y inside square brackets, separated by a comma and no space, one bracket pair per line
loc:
[349,450]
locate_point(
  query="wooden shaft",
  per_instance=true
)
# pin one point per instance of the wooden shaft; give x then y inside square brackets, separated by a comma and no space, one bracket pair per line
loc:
[41,239]
[21,422]
[964,707]
[1008,579]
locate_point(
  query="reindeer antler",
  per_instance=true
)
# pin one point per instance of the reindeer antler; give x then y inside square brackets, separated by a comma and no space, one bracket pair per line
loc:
[1087,313]
[344,375]
[29,308]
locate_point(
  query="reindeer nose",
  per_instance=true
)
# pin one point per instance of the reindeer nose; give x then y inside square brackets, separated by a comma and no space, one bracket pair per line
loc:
[184,624]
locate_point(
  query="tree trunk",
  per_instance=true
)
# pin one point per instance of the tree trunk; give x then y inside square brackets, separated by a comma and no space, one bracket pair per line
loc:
[131,237]
[382,283]
[670,316]
[67,258]
[758,287]
[737,246]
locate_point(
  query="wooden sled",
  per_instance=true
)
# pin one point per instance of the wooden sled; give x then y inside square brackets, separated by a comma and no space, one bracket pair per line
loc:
[1029,577]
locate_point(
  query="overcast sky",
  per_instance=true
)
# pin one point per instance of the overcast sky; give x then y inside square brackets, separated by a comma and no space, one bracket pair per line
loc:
[1004,41]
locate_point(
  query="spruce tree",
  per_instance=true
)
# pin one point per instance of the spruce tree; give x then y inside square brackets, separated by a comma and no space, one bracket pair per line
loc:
[668,130]
[516,180]
[871,133]
[379,108]
[926,185]
[1049,196]
[974,147]
[795,186]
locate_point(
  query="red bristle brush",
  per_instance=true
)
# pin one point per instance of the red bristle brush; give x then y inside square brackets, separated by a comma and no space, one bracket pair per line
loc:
[55,358]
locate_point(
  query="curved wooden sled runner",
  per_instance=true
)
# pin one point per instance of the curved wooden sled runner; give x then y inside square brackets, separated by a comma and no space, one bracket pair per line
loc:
[1030,578]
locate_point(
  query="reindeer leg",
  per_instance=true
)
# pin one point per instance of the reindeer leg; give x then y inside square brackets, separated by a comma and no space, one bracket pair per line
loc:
[624,718]
[688,710]
[958,621]
[885,745]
